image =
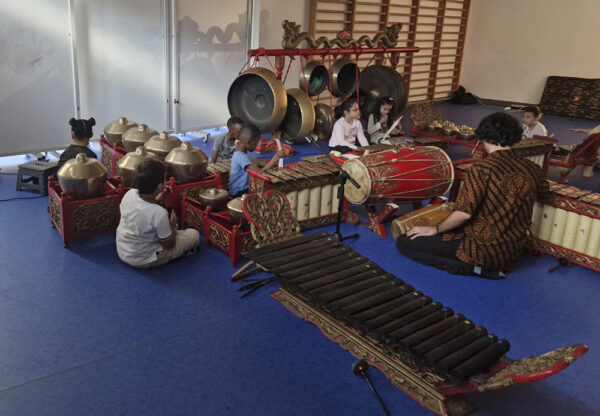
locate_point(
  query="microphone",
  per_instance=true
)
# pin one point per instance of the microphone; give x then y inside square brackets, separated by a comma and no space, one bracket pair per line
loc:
[309,139]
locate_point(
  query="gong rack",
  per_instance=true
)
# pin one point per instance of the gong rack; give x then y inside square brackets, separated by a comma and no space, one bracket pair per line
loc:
[323,52]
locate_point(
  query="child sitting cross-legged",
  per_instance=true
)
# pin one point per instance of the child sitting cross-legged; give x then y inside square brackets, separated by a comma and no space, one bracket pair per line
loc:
[146,236]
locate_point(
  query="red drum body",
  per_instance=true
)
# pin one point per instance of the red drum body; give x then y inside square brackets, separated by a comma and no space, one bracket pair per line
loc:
[404,174]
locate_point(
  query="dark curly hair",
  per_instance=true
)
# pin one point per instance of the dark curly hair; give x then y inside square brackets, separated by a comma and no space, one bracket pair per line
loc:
[500,129]
[82,128]
[150,174]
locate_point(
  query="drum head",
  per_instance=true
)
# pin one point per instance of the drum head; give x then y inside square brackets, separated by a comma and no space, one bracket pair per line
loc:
[316,76]
[299,117]
[259,98]
[360,173]
[323,121]
[378,81]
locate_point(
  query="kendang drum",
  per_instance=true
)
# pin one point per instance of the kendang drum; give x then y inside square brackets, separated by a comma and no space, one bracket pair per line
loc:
[401,175]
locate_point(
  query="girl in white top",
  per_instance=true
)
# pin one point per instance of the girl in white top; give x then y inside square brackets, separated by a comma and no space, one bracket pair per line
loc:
[531,122]
[347,129]
[378,121]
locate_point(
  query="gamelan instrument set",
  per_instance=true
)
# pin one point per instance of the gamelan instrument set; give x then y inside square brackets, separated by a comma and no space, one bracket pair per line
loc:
[568,225]
[424,348]
[311,189]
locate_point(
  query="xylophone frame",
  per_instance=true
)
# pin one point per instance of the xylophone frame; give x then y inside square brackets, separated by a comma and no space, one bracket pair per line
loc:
[425,387]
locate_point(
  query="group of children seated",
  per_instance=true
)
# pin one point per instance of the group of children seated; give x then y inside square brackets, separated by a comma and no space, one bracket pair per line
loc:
[147,236]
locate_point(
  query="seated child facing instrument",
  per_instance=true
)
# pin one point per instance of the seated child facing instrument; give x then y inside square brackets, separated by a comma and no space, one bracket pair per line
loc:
[531,122]
[224,145]
[81,133]
[348,129]
[378,122]
[248,138]
[146,236]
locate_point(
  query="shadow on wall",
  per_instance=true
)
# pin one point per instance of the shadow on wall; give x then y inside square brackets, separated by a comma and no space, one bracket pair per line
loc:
[208,64]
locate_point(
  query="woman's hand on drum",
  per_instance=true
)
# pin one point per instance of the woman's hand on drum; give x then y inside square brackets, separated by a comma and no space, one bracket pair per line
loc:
[421,232]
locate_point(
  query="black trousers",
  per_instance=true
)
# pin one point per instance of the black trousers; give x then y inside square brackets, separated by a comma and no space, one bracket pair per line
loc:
[432,251]
[341,149]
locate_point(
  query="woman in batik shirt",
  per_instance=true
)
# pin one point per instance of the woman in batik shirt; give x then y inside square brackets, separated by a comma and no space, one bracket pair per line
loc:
[486,233]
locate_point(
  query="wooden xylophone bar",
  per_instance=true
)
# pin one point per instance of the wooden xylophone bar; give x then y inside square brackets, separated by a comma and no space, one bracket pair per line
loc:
[422,347]
[349,286]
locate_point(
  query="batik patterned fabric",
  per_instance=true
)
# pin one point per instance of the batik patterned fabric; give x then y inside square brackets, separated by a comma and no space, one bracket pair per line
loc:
[498,193]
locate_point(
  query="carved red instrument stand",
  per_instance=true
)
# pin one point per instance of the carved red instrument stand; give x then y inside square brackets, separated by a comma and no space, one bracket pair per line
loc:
[76,218]
[586,153]
[217,228]
[176,192]
[110,155]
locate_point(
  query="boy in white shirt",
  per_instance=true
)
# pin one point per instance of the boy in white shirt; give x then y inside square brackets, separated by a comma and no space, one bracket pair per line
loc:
[146,236]
[531,122]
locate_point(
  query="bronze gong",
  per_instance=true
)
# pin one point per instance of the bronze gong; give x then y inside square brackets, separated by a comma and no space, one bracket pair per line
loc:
[378,81]
[299,117]
[259,98]
[314,78]
[323,121]
[343,77]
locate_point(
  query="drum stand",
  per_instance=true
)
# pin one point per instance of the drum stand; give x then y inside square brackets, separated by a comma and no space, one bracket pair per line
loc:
[343,178]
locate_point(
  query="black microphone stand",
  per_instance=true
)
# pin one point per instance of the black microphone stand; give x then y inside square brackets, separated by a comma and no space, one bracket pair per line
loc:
[342,179]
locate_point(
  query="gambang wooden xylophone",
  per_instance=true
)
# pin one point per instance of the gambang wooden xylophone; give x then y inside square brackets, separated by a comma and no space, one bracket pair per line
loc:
[427,350]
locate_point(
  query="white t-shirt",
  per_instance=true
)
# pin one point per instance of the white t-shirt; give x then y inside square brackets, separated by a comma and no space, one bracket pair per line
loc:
[143,225]
[538,130]
[345,134]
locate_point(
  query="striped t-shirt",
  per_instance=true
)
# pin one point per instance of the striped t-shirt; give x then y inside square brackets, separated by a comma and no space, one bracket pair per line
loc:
[498,193]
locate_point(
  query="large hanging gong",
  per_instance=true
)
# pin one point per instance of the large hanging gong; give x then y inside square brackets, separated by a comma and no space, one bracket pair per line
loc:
[323,121]
[344,73]
[259,98]
[378,81]
[299,117]
[314,78]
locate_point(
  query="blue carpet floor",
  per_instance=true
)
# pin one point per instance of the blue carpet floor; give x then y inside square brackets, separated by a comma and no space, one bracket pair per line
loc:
[83,334]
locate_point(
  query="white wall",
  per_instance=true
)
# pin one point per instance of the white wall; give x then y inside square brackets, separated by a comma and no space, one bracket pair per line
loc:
[512,46]
[212,43]
[36,88]
[121,55]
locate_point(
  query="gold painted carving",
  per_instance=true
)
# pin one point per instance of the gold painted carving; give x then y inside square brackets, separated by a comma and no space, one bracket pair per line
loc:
[529,365]
[292,37]
[218,237]
[55,211]
[107,159]
[270,217]
[92,217]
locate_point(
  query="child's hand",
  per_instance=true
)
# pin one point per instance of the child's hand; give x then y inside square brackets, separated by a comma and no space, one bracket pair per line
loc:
[173,220]
[280,153]
[276,135]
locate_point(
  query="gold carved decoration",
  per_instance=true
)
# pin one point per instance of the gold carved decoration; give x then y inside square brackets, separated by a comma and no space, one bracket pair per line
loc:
[292,37]
[218,237]
[531,365]
[107,159]
[194,217]
[270,217]
[55,211]
[95,216]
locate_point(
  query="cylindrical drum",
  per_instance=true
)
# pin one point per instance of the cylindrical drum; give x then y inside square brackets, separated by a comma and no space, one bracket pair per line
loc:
[400,175]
